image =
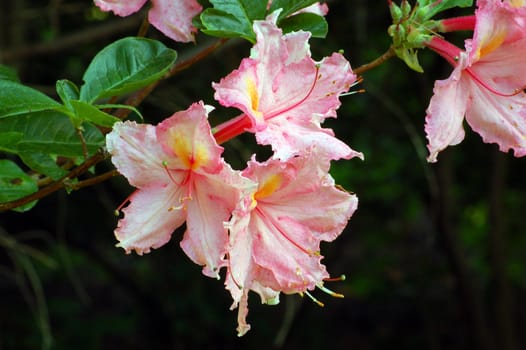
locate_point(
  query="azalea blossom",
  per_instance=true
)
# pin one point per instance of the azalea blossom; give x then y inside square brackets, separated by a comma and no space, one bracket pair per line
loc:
[180,176]
[275,232]
[486,86]
[285,95]
[172,17]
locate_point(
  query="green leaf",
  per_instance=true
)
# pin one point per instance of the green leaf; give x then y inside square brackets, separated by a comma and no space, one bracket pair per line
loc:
[124,66]
[224,25]
[117,105]
[10,139]
[67,91]
[233,18]
[48,132]
[288,7]
[311,22]
[42,163]
[8,73]
[431,8]
[87,112]
[15,184]
[17,99]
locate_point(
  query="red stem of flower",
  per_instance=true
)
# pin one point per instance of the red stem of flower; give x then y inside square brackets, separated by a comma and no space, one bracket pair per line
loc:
[457,23]
[232,128]
[445,49]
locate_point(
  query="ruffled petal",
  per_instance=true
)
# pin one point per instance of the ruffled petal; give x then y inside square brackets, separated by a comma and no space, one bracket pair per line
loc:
[212,200]
[174,18]
[120,7]
[445,114]
[153,214]
[137,154]
[499,119]
[187,137]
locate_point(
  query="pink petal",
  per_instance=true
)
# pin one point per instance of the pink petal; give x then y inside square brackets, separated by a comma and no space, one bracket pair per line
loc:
[174,18]
[120,7]
[137,154]
[317,8]
[499,119]
[186,135]
[150,219]
[242,326]
[445,114]
[293,268]
[212,200]
[240,89]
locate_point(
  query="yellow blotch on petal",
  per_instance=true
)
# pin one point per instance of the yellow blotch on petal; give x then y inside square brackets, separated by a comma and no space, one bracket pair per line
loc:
[517,3]
[254,96]
[492,43]
[269,186]
[192,155]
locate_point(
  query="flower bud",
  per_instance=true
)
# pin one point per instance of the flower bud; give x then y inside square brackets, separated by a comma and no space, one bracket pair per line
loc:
[396,12]
[406,8]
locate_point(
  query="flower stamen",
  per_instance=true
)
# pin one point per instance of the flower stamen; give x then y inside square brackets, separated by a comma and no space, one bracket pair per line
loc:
[328,291]
[340,278]
[165,166]
[317,76]
[124,202]
[312,298]
[359,80]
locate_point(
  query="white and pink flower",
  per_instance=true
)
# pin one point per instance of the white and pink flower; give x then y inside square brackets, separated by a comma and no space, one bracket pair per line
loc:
[285,95]
[180,176]
[486,86]
[275,233]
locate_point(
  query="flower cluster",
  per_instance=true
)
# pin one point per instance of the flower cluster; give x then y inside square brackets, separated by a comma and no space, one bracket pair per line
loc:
[487,83]
[264,224]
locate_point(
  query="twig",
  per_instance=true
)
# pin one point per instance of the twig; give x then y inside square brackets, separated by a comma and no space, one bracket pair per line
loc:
[373,64]
[85,152]
[55,186]
[94,180]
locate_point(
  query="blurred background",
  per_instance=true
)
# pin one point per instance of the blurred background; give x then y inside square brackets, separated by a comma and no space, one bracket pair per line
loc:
[434,256]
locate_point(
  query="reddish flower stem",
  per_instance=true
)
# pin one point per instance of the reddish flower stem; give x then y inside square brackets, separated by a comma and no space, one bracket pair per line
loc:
[232,128]
[457,23]
[445,49]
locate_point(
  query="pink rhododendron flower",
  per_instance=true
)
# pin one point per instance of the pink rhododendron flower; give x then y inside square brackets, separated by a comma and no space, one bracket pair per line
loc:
[172,17]
[275,233]
[180,175]
[285,95]
[486,84]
